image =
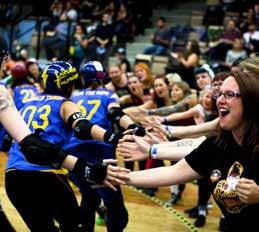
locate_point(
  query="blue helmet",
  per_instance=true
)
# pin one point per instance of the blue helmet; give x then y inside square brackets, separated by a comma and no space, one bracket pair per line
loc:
[58,78]
[92,71]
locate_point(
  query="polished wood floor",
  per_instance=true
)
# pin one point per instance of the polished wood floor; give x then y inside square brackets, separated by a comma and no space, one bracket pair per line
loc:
[145,214]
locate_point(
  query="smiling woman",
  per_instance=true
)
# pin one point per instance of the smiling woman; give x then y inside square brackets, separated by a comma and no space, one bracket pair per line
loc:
[237,143]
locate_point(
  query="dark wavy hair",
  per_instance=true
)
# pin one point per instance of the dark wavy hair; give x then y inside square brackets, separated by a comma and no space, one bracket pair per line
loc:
[195,47]
[159,101]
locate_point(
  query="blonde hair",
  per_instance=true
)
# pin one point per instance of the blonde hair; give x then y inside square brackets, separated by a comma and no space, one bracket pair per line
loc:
[184,86]
[250,65]
[203,92]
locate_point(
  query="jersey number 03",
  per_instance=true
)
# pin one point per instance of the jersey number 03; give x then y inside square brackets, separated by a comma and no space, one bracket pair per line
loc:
[43,112]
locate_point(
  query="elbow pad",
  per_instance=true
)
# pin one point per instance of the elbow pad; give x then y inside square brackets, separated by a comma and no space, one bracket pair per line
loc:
[41,152]
[7,143]
[94,173]
[115,114]
[82,129]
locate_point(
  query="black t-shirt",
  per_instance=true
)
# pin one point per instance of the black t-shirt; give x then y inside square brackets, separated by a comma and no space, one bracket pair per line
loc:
[127,63]
[208,158]
[105,32]
[121,91]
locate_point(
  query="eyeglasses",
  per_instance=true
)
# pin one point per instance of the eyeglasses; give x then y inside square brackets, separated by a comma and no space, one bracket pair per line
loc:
[227,95]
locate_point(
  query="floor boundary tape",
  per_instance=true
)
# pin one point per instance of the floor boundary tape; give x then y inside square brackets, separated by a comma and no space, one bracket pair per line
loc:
[168,207]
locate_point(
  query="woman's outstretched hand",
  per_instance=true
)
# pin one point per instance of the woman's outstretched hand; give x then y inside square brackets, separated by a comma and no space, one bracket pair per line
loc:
[115,175]
[135,149]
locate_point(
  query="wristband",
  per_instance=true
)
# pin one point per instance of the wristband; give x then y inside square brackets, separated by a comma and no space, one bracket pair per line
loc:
[153,151]
[149,153]
[168,132]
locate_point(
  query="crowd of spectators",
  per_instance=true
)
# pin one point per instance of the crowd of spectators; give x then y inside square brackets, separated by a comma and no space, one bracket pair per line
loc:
[105,26]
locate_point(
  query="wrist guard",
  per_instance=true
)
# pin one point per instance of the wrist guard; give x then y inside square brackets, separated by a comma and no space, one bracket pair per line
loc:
[138,130]
[94,173]
[115,114]
[112,138]
[41,152]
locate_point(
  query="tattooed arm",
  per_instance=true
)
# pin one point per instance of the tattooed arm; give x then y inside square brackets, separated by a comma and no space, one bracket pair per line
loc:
[163,111]
[181,106]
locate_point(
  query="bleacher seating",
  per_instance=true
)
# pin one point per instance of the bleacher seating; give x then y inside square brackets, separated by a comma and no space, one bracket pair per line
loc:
[158,64]
[25,30]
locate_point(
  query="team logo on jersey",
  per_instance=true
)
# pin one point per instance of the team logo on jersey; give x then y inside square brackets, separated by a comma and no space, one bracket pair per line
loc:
[225,192]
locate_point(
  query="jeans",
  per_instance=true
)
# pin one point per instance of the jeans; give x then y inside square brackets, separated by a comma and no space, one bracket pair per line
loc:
[155,50]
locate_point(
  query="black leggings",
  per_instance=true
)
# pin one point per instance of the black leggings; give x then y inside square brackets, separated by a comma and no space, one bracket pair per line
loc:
[204,192]
[41,197]
[4,223]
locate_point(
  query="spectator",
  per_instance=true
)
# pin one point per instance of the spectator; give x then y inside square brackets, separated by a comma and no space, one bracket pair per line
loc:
[184,64]
[143,72]
[232,156]
[204,76]
[121,26]
[56,10]
[136,94]
[160,39]
[119,81]
[124,62]
[79,45]
[248,19]
[230,33]
[251,39]
[125,13]
[251,34]
[57,35]
[236,52]
[33,70]
[69,13]
[55,44]
[104,35]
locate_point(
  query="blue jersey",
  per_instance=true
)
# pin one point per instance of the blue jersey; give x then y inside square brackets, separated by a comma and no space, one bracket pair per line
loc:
[41,112]
[22,93]
[2,130]
[2,135]
[94,106]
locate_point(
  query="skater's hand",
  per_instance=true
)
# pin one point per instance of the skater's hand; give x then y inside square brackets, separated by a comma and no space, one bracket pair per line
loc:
[115,175]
